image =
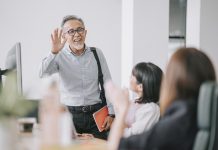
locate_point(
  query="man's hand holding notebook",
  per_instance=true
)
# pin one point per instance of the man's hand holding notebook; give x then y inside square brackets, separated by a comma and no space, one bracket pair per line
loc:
[99,117]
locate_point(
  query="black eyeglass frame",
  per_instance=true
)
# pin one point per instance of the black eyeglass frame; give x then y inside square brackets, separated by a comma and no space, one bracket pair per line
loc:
[72,32]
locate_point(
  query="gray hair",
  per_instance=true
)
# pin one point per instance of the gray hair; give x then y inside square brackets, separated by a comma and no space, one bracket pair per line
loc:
[71,17]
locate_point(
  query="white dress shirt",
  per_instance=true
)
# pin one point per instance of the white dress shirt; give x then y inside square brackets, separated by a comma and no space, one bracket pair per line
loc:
[79,84]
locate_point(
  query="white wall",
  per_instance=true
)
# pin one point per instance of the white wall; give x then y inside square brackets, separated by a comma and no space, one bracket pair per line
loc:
[32,21]
[127,41]
[151,31]
[209,29]
[202,27]
[193,23]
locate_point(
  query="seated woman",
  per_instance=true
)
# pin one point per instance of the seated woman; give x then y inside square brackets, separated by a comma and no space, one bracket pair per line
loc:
[144,112]
[188,68]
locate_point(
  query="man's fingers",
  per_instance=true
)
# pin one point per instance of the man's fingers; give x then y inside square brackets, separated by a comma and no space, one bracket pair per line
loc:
[109,121]
[107,125]
[104,124]
[52,38]
[55,33]
[60,34]
[58,41]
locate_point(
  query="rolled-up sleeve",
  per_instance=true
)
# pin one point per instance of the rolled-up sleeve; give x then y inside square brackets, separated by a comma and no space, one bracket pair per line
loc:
[49,65]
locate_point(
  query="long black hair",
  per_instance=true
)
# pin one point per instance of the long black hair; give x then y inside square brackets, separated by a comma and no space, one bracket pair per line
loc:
[149,75]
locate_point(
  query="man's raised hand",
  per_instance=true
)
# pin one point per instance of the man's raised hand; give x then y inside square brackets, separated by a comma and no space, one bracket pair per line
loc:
[58,41]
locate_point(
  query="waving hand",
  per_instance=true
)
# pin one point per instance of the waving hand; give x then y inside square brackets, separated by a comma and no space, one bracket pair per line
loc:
[58,41]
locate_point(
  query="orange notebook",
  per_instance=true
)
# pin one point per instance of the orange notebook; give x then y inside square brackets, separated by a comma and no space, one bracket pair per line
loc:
[99,117]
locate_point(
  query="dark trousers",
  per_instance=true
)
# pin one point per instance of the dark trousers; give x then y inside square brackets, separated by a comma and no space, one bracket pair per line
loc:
[84,122]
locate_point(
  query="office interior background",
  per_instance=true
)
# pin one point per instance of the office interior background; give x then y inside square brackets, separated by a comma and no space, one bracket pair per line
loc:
[127,31]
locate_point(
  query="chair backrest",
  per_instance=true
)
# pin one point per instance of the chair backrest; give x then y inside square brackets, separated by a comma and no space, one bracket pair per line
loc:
[207,117]
[214,125]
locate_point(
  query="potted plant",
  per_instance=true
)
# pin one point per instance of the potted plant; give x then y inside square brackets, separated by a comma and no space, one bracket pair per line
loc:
[12,106]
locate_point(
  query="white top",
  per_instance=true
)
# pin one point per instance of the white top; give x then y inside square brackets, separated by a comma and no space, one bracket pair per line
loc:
[141,117]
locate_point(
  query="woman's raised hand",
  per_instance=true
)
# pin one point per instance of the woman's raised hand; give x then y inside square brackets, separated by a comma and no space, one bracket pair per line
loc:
[118,97]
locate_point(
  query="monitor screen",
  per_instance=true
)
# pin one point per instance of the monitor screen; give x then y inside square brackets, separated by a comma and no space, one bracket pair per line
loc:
[13,63]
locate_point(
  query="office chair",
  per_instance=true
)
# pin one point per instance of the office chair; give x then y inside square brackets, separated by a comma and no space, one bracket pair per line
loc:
[207,117]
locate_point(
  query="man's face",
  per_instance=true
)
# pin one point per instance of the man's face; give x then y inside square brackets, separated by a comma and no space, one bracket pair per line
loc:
[75,33]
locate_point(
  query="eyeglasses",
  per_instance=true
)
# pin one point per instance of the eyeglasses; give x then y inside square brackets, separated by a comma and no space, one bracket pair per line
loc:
[79,30]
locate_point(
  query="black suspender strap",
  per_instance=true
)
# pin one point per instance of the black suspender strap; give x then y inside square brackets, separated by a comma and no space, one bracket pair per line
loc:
[100,76]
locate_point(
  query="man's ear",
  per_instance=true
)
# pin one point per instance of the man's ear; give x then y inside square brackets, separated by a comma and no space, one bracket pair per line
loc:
[85,32]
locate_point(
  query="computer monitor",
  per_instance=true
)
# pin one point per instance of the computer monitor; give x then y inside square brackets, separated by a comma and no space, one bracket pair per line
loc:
[13,64]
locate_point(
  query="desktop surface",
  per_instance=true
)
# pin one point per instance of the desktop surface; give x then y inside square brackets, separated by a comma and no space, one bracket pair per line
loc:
[31,141]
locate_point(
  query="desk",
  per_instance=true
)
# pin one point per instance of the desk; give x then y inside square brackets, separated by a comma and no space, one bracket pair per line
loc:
[31,141]
[94,144]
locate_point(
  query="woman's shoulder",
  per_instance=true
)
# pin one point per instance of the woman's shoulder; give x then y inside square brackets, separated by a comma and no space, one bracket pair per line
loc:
[149,106]
[181,110]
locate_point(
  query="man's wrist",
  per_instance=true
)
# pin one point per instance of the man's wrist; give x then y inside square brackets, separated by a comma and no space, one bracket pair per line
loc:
[111,115]
[54,52]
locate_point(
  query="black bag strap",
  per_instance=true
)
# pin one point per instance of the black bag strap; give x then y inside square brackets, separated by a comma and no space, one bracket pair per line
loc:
[100,76]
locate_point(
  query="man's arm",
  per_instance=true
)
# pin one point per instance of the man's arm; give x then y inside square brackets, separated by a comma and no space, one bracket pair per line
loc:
[49,64]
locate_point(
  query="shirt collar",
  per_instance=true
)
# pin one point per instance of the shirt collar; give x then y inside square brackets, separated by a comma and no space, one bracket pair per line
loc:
[70,52]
